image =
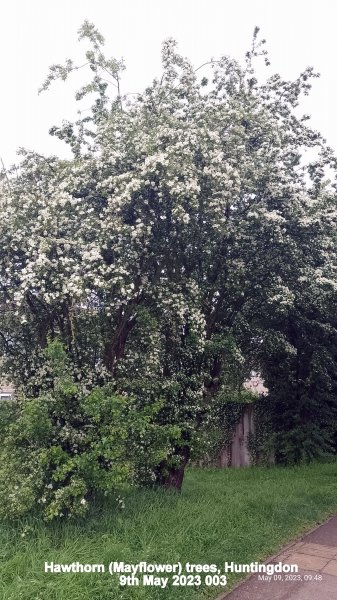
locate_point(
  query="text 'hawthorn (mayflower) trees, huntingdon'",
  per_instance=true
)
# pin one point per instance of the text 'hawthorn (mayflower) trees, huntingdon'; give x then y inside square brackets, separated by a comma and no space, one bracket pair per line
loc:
[177,244]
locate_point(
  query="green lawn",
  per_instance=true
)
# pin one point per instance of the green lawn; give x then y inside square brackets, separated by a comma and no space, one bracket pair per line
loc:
[236,515]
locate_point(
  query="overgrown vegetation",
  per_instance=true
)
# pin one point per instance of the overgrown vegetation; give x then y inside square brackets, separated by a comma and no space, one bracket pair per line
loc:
[61,448]
[234,514]
[188,240]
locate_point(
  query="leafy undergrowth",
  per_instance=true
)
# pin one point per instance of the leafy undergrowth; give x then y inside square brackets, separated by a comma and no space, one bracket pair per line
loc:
[235,515]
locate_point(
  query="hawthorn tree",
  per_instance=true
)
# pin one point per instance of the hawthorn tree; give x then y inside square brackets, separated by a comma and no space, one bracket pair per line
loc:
[161,252]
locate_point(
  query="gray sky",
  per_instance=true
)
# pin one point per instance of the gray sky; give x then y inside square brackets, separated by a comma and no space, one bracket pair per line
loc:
[38,33]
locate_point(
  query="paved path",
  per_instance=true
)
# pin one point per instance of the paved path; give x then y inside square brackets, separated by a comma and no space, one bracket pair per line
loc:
[316,557]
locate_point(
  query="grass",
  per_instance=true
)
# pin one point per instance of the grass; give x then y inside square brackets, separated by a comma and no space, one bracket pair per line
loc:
[236,515]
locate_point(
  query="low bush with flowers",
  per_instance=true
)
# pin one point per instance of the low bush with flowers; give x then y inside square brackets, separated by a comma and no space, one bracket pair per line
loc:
[61,448]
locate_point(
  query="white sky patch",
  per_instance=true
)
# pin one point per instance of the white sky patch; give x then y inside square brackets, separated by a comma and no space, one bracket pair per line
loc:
[37,33]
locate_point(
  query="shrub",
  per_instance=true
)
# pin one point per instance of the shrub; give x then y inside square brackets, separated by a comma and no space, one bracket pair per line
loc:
[66,445]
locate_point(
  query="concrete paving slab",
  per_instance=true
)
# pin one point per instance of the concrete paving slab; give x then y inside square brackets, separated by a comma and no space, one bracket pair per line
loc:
[318,550]
[325,534]
[331,568]
[324,590]
[287,551]
[306,561]
[255,589]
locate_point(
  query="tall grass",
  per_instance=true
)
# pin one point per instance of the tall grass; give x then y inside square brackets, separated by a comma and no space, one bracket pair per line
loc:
[236,515]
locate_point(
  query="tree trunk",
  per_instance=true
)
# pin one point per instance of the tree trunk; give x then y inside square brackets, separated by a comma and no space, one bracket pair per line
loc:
[171,477]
